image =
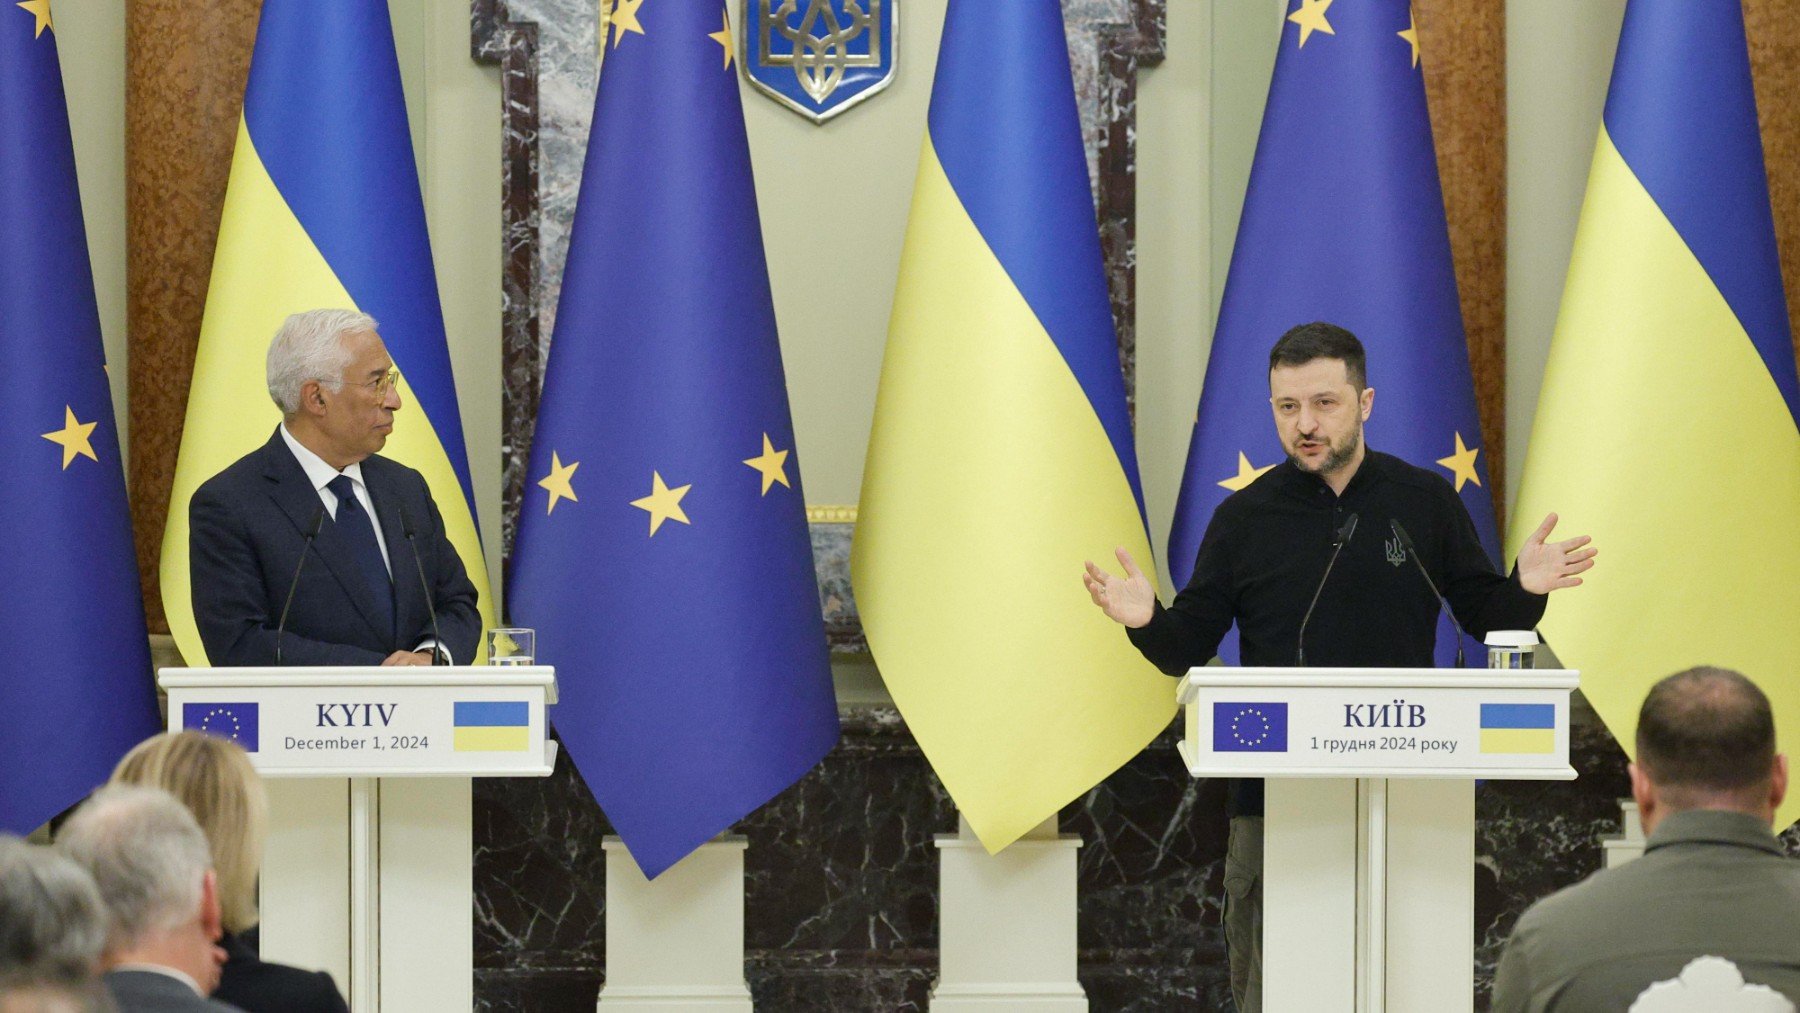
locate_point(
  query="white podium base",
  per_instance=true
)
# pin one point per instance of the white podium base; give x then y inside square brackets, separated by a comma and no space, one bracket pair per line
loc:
[370,880]
[1369,895]
[676,945]
[1006,925]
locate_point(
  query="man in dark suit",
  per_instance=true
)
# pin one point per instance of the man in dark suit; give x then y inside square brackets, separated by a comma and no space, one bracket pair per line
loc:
[361,601]
[1714,881]
[154,871]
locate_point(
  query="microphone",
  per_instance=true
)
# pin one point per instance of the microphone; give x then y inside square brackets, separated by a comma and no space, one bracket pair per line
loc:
[1338,541]
[312,532]
[406,525]
[1406,546]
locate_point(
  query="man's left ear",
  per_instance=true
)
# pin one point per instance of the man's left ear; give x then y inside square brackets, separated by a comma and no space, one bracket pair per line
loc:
[211,918]
[1368,402]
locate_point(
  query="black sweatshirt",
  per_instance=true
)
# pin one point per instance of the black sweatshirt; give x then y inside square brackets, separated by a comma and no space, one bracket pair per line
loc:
[1267,546]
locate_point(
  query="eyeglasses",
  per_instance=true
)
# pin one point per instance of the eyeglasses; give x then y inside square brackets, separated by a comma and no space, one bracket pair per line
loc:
[378,386]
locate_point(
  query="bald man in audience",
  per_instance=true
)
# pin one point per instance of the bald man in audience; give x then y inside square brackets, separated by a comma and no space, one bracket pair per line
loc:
[1713,880]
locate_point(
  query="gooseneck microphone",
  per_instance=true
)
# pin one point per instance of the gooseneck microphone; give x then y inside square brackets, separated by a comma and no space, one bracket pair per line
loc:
[1406,546]
[312,532]
[406,525]
[1338,541]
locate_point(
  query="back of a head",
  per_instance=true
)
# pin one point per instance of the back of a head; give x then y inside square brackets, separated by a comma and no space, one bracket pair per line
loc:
[147,856]
[1706,739]
[216,781]
[52,922]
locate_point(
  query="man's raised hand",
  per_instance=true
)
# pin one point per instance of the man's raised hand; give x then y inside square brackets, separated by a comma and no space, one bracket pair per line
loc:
[1546,566]
[1128,599]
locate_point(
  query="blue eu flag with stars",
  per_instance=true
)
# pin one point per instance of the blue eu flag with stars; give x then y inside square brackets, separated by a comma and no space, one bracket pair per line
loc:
[78,691]
[663,553]
[1343,222]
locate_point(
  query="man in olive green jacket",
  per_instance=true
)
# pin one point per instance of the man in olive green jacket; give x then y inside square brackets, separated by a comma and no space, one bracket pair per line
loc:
[1713,880]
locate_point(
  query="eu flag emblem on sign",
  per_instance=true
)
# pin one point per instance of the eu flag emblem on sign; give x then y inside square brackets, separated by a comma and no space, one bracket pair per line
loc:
[820,57]
[234,722]
[1250,727]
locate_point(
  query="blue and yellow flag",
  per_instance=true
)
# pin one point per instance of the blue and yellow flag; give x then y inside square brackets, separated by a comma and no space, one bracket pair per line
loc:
[79,693]
[323,209]
[1002,453]
[1666,426]
[1343,222]
[663,553]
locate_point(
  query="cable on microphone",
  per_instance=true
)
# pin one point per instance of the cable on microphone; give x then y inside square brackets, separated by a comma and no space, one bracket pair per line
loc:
[406,525]
[312,532]
[1338,540]
[1406,546]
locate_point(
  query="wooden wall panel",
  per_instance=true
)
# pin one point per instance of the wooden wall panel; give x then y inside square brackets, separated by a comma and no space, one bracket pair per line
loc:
[1463,43]
[1774,30]
[186,63]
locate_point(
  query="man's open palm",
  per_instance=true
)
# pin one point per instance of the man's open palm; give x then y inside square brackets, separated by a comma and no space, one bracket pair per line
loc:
[1129,599]
[1545,566]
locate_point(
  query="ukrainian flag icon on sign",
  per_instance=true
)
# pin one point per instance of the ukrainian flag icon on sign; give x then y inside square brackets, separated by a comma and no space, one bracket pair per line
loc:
[492,727]
[1518,728]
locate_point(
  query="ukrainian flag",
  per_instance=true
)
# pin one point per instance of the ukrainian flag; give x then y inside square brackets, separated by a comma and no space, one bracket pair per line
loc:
[1518,728]
[1002,454]
[482,726]
[323,208]
[1666,427]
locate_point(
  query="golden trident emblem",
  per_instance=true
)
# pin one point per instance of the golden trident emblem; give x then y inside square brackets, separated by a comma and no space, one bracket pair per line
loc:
[821,41]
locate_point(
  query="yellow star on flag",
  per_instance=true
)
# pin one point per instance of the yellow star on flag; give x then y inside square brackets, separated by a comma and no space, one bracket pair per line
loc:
[1245,475]
[74,438]
[723,36]
[1462,463]
[625,19]
[41,10]
[663,503]
[772,464]
[558,481]
[1311,18]
[1412,34]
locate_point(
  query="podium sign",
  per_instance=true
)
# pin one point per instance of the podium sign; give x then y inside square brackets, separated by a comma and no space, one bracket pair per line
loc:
[374,721]
[1298,722]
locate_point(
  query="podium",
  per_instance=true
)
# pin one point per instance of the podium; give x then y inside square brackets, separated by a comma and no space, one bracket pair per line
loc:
[366,871]
[1368,863]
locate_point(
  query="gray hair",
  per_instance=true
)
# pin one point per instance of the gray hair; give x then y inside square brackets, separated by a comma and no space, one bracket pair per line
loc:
[147,856]
[310,346]
[52,921]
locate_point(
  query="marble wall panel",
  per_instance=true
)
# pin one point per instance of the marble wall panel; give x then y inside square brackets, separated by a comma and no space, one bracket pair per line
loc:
[186,63]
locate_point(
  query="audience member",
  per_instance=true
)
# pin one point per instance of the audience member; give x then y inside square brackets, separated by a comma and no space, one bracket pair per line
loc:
[214,779]
[52,923]
[155,874]
[1713,879]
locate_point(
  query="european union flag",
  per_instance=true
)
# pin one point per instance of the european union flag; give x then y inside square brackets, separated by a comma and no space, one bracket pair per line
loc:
[236,722]
[663,553]
[1343,222]
[80,693]
[1250,727]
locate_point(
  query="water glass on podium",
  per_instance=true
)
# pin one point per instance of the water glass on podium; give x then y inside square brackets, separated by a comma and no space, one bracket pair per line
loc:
[512,646]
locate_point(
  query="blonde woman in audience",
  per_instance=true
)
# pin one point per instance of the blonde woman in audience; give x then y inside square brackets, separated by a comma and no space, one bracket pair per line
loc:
[214,779]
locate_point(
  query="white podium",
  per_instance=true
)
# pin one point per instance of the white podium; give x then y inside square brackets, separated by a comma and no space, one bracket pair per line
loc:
[367,869]
[1368,864]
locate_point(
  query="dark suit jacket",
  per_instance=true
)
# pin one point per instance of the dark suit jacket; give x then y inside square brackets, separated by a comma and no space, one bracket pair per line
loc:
[247,526]
[1709,883]
[249,983]
[149,992]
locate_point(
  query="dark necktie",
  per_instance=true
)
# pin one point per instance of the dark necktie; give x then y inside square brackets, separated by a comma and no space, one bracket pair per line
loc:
[358,529]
